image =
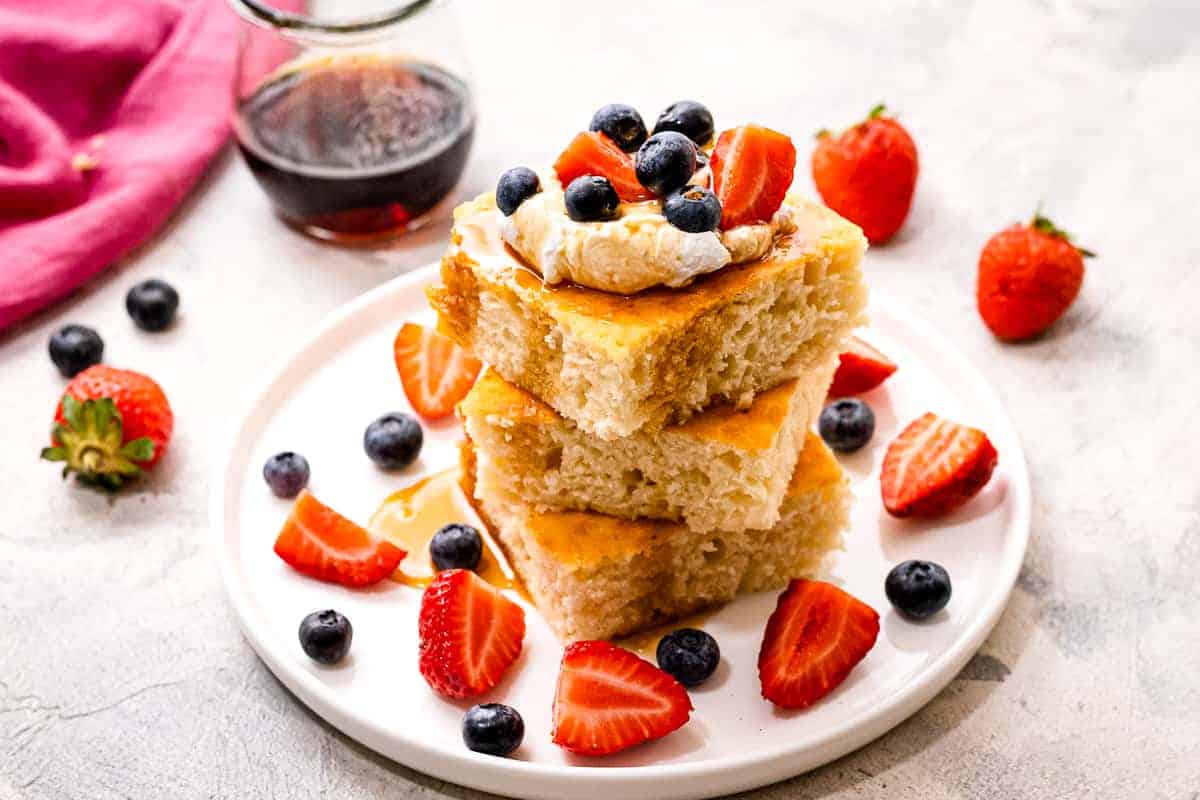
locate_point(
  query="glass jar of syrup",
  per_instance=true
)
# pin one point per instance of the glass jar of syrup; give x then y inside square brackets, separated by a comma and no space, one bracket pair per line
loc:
[355,127]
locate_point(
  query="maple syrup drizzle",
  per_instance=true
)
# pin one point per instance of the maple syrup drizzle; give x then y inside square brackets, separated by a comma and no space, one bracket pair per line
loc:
[645,643]
[411,516]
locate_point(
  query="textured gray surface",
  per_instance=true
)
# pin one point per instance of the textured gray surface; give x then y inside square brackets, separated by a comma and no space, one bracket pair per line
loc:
[123,674]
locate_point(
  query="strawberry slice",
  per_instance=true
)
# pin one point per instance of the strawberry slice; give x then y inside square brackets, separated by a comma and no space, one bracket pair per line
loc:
[593,153]
[934,466]
[321,543]
[813,639]
[435,372]
[752,168]
[470,634]
[609,699]
[860,369]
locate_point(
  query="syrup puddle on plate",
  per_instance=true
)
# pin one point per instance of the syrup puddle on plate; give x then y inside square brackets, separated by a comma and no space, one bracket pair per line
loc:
[410,517]
[645,643]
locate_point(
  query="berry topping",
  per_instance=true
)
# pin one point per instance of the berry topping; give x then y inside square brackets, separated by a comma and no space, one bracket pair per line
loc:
[492,728]
[515,187]
[393,441]
[860,369]
[689,118]
[74,348]
[470,634]
[815,636]
[665,162]
[609,699]
[593,153]
[590,198]
[456,546]
[752,169]
[109,425]
[321,543]
[152,304]
[326,636]
[918,589]
[435,372]
[693,209]
[286,473]
[1028,277]
[868,174]
[621,123]
[934,466]
[846,424]
[688,655]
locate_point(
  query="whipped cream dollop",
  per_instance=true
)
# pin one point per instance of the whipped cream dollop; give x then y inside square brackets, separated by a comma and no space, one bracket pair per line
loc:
[637,250]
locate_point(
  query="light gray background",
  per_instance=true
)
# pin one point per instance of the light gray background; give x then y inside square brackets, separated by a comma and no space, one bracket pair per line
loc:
[123,674]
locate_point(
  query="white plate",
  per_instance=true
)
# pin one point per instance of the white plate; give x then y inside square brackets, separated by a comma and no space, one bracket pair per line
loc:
[319,402]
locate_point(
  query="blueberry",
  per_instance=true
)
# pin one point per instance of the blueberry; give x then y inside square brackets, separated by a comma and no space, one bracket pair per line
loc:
[515,187]
[693,209]
[74,348]
[689,118]
[493,728]
[665,162]
[918,589]
[326,636]
[286,473]
[846,424]
[394,440]
[688,655]
[621,123]
[456,546]
[152,304]
[590,198]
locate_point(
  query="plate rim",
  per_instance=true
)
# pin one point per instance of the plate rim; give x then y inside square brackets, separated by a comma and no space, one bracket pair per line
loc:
[741,772]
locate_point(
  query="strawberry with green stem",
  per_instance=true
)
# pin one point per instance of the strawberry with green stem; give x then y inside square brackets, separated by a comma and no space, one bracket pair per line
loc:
[109,426]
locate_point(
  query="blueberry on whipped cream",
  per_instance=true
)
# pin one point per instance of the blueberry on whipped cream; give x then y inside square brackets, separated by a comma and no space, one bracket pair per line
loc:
[515,187]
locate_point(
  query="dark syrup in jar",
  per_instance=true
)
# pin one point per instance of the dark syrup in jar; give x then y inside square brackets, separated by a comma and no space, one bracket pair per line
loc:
[357,146]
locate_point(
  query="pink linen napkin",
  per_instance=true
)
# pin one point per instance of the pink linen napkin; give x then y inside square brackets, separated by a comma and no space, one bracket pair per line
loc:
[109,113]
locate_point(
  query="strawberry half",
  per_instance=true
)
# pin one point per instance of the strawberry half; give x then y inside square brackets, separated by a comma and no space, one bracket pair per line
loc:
[752,168]
[470,634]
[934,466]
[593,153]
[321,543]
[608,699]
[434,371]
[860,369]
[815,636]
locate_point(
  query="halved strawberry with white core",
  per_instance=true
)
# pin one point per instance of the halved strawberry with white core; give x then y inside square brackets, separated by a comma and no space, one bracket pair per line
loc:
[609,699]
[593,153]
[860,369]
[321,543]
[470,634]
[435,372]
[934,466]
[815,636]
[752,168]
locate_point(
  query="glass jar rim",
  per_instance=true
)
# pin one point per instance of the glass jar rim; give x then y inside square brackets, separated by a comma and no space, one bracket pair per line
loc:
[265,15]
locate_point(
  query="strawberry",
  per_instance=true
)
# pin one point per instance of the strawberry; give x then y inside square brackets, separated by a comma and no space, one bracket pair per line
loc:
[110,424]
[860,369]
[321,543]
[608,699]
[1028,276]
[470,634]
[593,153]
[934,466]
[752,168]
[813,639]
[435,372]
[868,174]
